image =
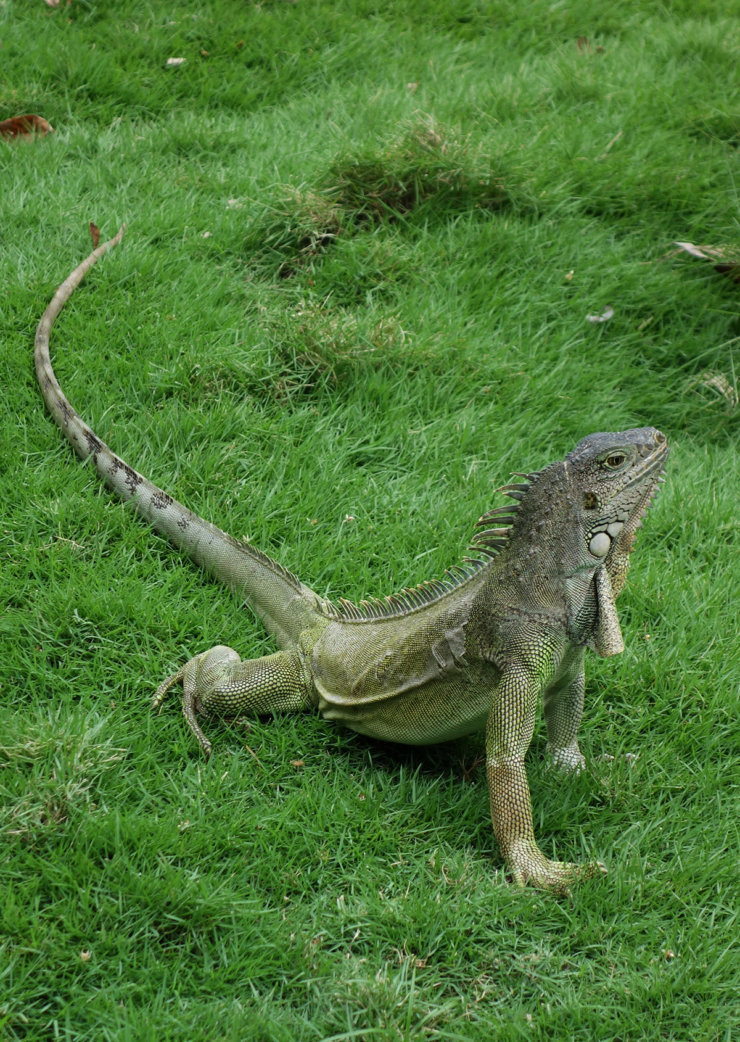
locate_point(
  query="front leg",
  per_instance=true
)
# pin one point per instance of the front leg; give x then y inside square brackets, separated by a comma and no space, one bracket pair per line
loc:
[563,712]
[217,681]
[508,734]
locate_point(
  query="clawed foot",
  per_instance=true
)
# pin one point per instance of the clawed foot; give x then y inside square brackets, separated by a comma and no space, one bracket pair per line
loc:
[528,866]
[568,759]
[196,677]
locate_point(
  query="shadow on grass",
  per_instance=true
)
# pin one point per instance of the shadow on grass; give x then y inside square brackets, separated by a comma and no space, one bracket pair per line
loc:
[427,174]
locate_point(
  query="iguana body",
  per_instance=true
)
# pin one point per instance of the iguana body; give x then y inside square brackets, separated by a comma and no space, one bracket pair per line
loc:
[448,658]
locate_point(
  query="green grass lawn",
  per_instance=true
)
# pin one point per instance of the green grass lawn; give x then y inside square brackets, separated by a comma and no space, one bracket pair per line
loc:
[363,242]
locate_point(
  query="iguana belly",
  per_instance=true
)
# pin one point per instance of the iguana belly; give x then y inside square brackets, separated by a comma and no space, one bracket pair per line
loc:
[407,683]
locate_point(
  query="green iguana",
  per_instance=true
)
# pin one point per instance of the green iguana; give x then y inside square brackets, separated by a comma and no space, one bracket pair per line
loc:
[447,658]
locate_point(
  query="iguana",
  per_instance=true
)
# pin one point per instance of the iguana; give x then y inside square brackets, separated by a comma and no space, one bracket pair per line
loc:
[472,651]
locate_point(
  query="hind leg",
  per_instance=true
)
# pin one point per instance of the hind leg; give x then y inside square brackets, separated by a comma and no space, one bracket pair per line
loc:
[218,681]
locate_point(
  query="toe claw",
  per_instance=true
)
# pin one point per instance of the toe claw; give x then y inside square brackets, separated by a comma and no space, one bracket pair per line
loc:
[531,866]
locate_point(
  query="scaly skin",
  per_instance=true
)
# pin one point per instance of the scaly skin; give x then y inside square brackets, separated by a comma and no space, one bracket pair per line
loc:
[473,651]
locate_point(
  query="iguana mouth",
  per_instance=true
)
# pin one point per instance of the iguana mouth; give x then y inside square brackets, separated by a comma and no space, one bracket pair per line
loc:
[655,461]
[652,470]
[654,464]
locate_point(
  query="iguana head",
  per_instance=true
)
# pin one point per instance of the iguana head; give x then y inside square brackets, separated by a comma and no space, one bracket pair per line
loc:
[612,478]
[567,542]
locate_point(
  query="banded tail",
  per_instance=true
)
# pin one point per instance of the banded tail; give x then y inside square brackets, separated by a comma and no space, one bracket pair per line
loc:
[283,603]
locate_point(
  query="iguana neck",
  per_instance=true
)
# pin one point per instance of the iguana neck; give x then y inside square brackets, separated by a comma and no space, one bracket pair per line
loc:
[545,570]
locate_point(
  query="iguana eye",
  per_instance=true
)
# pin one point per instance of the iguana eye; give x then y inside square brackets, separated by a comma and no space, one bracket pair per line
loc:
[615,460]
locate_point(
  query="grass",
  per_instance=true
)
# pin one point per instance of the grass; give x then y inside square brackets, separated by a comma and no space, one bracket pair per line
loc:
[363,240]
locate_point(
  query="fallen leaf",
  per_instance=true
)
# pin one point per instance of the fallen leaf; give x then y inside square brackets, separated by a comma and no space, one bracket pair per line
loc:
[605,315]
[95,234]
[585,46]
[724,259]
[297,763]
[693,250]
[719,385]
[23,126]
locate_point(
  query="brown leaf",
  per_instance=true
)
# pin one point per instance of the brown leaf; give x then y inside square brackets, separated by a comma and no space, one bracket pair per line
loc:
[585,46]
[718,384]
[95,233]
[23,126]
